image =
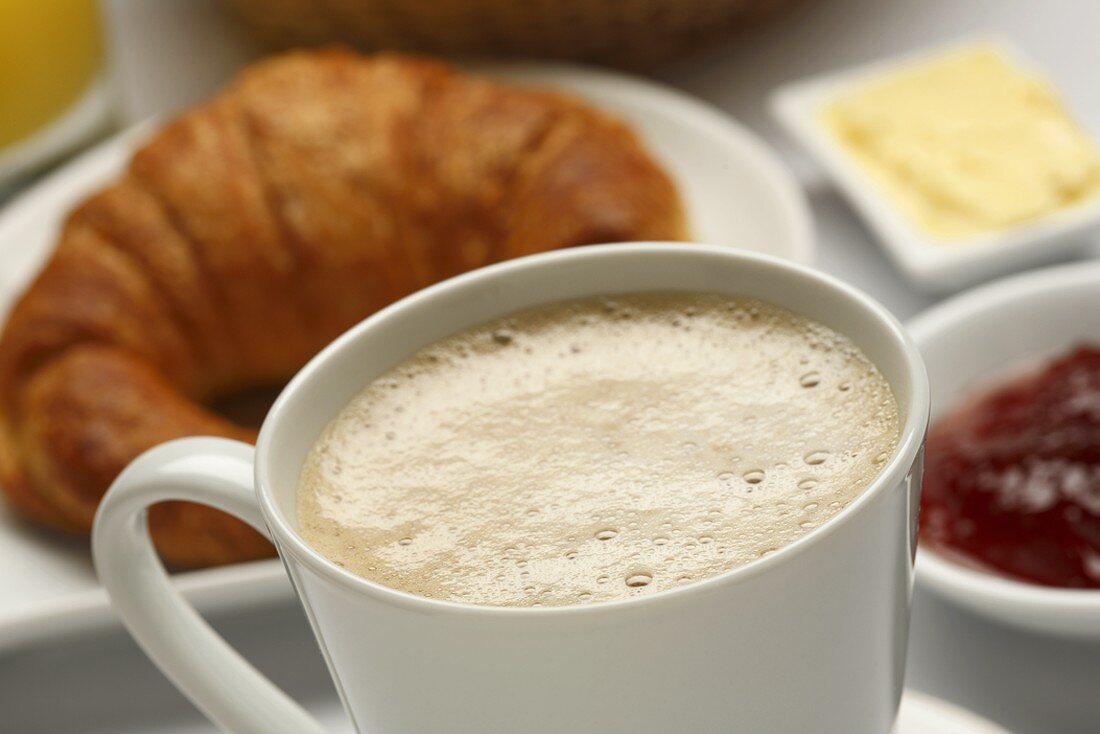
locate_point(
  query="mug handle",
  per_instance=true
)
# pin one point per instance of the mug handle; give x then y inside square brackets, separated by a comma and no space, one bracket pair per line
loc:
[211,471]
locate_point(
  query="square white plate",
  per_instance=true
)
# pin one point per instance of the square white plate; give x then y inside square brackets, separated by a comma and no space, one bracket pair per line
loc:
[931,265]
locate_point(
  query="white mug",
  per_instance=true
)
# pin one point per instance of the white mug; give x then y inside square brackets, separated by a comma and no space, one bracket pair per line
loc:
[811,638]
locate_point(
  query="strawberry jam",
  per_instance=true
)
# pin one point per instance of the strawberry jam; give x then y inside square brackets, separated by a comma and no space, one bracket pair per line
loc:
[1012,476]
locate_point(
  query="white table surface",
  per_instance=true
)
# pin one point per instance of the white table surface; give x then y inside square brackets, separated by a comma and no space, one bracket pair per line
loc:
[1027,683]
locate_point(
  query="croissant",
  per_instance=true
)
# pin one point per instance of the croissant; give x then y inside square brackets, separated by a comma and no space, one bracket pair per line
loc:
[254,228]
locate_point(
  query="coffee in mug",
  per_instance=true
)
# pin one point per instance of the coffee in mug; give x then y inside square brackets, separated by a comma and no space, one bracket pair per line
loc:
[598,449]
[661,438]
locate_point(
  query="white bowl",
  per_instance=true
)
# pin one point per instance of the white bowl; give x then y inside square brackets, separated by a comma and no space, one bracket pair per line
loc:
[976,336]
[930,264]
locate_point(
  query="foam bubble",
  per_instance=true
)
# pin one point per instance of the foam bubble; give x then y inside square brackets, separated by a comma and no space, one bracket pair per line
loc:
[815,458]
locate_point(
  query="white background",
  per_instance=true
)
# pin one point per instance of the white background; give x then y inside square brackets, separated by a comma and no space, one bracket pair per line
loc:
[1029,684]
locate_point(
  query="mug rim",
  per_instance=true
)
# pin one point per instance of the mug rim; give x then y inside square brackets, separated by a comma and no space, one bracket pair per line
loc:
[910,440]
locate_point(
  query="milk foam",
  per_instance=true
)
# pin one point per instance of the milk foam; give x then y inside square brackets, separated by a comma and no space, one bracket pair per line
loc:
[597,450]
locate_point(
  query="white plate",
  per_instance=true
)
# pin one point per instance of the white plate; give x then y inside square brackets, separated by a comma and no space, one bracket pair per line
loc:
[922,714]
[735,191]
[919,714]
[966,341]
[931,265]
[734,187]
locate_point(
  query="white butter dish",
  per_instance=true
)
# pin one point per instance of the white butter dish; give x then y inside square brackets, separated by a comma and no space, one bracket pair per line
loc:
[931,264]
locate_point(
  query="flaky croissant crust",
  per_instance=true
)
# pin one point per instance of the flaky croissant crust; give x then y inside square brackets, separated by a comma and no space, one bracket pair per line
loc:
[253,229]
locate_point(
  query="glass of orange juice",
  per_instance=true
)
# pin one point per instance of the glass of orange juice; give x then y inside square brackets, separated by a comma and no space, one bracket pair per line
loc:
[53,95]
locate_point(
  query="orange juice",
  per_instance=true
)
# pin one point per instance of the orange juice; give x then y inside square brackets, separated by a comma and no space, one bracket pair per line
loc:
[49,53]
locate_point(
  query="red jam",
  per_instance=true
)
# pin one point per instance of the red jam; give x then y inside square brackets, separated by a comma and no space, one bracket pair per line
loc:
[1012,477]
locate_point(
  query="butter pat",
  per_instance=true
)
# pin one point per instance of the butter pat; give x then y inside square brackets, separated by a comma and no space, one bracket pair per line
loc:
[966,144]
